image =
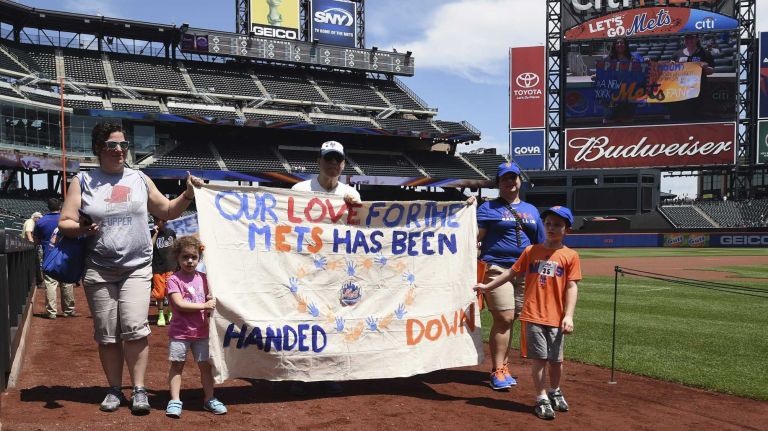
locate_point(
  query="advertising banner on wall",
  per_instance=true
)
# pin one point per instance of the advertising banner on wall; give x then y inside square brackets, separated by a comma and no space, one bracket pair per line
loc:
[757,239]
[275,18]
[762,142]
[651,21]
[24,160]
[311,289]
[763,77]
[575,12]
[651,146]
[686,240]
[334,22]
[528,149]
[527,87]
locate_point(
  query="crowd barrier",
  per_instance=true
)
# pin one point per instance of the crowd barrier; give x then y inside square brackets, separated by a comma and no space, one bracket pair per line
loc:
[18,266]
[677,239]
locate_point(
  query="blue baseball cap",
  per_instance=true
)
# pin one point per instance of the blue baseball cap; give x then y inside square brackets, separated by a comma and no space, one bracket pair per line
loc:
[506,168]
[562,212]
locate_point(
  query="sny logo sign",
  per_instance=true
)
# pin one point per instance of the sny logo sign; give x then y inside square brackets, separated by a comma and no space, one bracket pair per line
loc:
[335,16]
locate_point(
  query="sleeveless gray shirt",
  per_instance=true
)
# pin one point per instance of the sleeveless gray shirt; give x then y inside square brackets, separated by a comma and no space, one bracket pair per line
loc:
[118,204]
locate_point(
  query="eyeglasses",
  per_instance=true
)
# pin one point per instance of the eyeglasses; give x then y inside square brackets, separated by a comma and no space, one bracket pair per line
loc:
[113,145]
[338,158]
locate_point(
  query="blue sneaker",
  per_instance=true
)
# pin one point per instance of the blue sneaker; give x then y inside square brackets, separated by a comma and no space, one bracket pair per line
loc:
[499,381]
[511,380]
[215,406]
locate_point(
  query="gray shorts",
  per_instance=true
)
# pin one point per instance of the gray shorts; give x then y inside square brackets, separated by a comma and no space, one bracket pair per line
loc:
[543,342]
[119,302]
[508,296]
[177,350]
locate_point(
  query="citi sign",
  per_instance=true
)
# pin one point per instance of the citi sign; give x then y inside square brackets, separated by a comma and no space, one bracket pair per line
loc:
[335,16]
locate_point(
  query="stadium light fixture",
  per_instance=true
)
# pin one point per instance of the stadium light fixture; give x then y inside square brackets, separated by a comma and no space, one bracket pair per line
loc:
[375,48]
[184,27]
[408,53]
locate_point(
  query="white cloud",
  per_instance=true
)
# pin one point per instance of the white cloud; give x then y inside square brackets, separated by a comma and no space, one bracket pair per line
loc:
[681,186]
[108,8]
[471,38]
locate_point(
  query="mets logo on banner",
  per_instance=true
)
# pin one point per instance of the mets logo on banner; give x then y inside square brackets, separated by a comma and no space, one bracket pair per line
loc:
[527,80]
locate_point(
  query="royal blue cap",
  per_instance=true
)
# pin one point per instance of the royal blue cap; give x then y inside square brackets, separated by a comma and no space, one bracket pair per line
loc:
[506,168]
[563,212]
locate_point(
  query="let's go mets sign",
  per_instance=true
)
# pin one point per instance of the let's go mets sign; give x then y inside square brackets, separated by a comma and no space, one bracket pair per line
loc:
[310,288]
[651,146]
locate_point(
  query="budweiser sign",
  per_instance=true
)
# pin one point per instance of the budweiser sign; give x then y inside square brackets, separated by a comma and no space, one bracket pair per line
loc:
[651,146]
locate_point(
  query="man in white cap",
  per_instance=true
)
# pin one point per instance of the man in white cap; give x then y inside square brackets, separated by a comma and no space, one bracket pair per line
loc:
[29,226]
[331,162]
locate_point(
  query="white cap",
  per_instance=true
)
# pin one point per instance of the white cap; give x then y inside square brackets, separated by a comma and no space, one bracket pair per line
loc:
[36,214]
[331,147]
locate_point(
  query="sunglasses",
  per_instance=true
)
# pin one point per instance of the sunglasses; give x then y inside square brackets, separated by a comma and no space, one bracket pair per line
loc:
[338,158]
[113,145]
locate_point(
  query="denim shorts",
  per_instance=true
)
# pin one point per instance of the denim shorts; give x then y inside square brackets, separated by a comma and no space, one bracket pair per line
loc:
[177,350]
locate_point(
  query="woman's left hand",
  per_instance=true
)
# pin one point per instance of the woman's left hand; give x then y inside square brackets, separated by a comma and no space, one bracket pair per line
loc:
[470,200]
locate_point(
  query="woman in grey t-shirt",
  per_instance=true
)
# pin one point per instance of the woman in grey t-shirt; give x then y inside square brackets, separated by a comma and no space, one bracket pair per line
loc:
[110,205]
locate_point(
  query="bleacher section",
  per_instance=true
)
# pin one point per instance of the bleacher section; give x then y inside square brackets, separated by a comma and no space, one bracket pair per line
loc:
[392,165]
[251,159]
[84,66]
[222,79]
[188,156]
[729,214]
[685,216]
[442,165]
[146,72]
[305,162]
[487,163]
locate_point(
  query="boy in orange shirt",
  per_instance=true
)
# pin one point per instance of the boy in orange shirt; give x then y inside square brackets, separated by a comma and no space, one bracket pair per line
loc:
[552,271]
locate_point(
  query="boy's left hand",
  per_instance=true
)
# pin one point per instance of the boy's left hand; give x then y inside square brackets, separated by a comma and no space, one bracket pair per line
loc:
[567,325]
[479,287]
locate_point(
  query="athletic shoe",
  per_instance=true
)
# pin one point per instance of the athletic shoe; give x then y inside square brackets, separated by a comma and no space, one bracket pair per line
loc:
[161,319]
[139,401]
[544,410]
[508,377]
[558,401]
[215,406]
[113,400]
[499,381]
[173,410]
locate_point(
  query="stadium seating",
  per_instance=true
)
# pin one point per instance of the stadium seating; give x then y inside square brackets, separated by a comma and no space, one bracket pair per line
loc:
[222,79]
[7,91]
[442,165]
[84,66]
[305,162]
[134,107]
[487,163]
[146,72]
[199,112]
[452,127]
[344,122]
[685,216]
[251,159]
[407,124]
[731,214]
[273,117]
[190,155]
[350,90]
[290,85]
[41,58]
[83,103]
[21,207]
[391,165]
[7,63]
[396,95]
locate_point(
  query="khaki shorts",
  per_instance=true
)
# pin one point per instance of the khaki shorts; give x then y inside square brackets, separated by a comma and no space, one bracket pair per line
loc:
[508,296]
[119,302]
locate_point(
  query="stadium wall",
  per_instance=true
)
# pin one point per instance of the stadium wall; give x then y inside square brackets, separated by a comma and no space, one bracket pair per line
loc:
[754,238]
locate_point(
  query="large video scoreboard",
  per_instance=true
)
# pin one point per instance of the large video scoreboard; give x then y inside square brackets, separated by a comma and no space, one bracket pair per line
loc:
[649,83]
[237,45]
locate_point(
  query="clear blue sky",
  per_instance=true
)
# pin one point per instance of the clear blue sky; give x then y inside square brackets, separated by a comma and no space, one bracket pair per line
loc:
[460,47]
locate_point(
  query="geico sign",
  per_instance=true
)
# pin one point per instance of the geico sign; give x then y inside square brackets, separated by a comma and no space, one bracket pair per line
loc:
[279,33]
[583,5]
[335,16]
[525,151]
[744,240]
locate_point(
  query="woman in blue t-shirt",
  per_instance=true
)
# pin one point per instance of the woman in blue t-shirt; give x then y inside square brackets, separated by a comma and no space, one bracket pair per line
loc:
[507,226]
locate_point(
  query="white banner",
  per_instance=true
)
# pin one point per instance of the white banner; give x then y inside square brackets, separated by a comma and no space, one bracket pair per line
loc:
[310,289]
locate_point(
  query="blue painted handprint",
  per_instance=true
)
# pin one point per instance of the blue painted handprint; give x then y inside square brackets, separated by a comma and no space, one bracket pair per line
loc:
[293,284]
[320,262]
[340,324]
[400,312]
[381,260]
[313,310]
[409,277]
[372,323]
[351,268]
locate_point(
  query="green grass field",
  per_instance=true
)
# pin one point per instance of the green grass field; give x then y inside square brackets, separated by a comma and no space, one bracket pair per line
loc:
[697,337]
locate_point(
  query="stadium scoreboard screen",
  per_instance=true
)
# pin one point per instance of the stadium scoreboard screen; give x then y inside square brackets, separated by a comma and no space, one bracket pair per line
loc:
[649,83]
[236,45]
